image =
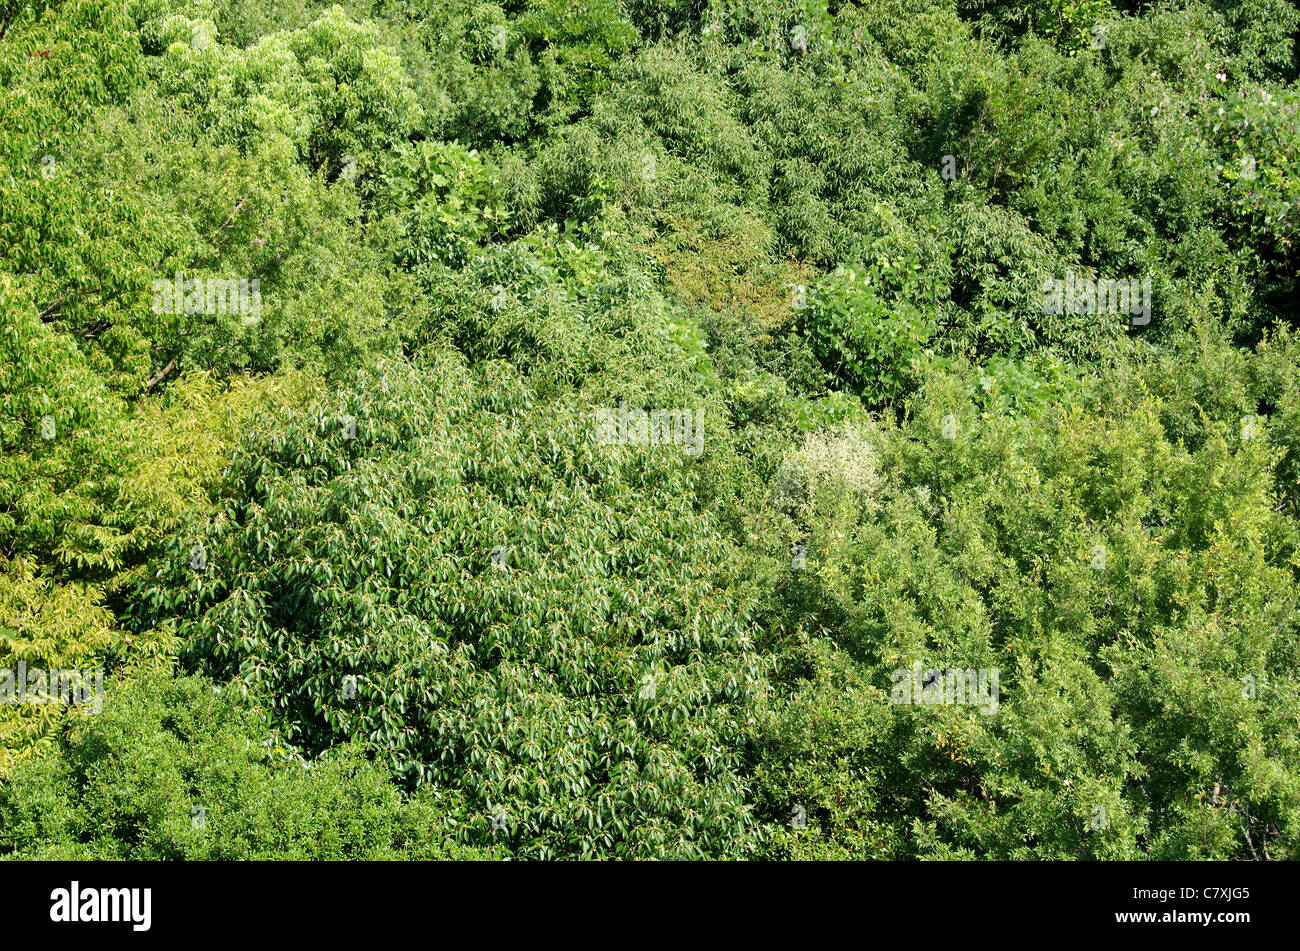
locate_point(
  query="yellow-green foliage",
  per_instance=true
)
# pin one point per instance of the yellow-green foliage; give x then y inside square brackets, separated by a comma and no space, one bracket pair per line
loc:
[90,483]
[47,625]
[175,448]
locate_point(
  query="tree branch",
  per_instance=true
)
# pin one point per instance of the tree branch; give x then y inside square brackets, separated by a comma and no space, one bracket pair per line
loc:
[157,377]
[9,15]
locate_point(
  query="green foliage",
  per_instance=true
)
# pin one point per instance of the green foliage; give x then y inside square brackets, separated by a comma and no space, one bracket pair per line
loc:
[174,769]
[1260,132]
[329,88]
[61,445]
[588,672]
[87,485]
[826,228]
[1068,22]
[576,45]
[876,345]
[1261,38]
[450,199]
[1132,591]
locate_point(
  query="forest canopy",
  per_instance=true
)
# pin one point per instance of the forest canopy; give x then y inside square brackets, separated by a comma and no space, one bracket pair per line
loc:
[779,429]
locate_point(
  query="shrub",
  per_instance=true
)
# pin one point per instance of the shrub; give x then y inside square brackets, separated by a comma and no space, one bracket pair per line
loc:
[527,614]
[867,327]
[177,769]
[1130,589]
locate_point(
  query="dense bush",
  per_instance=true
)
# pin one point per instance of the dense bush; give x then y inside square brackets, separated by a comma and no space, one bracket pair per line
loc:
[176,769]
[1134,612]
[460,577]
